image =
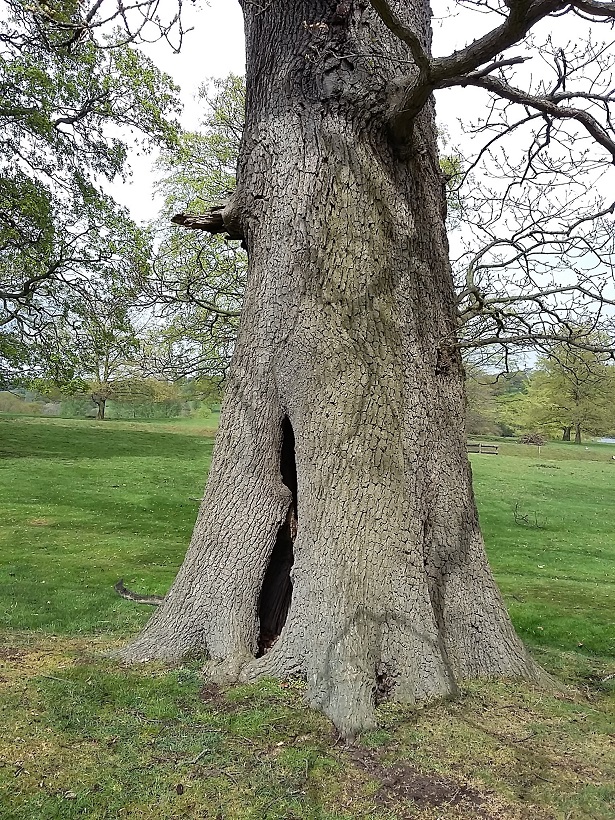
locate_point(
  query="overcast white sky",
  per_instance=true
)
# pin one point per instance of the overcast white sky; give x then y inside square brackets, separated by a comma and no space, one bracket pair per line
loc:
[214,49]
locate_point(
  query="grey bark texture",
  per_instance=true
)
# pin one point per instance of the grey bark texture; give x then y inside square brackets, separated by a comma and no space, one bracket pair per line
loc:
[341,447]
[100,402]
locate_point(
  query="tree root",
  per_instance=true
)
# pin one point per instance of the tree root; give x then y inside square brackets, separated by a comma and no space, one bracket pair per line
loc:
[152,600]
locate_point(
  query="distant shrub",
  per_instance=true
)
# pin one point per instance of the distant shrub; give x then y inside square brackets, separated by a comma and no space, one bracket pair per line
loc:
[10,403]
[533,438]
[77,407]
[201,409]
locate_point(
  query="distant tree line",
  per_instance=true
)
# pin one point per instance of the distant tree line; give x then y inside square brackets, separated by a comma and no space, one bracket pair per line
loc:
[569,395]
[132,399]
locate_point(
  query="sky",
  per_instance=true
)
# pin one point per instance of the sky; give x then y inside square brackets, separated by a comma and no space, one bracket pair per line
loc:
[215,48]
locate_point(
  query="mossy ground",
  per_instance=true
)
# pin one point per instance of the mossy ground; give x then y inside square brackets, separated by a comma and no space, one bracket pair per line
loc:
[84,503]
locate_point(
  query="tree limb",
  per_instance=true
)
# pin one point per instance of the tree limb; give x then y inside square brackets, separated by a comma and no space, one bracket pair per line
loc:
[595,9]
[439,73]
[523,16]
[544,104]
[404,33]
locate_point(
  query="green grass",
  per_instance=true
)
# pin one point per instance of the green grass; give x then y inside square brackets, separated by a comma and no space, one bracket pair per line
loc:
[83,503]
[555,559]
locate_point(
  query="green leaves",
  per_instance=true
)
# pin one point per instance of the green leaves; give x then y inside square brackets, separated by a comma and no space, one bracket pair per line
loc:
[66,102]
[200,170]
[571,389]
[199,280]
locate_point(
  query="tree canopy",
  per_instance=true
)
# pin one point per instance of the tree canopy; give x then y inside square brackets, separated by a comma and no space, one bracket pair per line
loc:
[571,390]
[196,282]
[74,93]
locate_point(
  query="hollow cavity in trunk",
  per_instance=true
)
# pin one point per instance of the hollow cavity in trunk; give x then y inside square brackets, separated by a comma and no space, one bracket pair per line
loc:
[276,593]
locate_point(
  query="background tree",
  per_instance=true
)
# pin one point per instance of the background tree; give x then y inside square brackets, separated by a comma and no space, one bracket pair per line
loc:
[68,83]
[197,282]
[105,343]
[481,408]
[572,389]
[338,519]
[93,348]
[494,401]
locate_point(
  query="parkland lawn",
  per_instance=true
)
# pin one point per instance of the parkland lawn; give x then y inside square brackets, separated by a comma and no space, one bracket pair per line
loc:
[84,503]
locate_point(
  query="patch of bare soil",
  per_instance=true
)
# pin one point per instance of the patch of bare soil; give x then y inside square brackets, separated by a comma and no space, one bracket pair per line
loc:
[403,782]
[213,695]
[11,653]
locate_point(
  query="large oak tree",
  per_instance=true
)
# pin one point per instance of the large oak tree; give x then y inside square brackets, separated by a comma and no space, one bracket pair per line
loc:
[338,538]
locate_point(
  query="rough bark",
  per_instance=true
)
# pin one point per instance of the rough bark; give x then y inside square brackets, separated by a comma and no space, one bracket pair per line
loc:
[340,471]
[577,433]
[100,402]
[566,433]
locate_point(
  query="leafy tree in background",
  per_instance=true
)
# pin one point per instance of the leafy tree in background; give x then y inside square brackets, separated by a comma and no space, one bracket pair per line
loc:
[481,407]
[71,88]
[495,401]
[572,389]
[91,349]
[197,282]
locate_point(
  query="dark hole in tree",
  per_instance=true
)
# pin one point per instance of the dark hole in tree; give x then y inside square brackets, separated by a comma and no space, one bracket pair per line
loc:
[274,601]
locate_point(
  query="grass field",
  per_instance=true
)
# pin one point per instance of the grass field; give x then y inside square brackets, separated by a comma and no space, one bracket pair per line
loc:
[84,503]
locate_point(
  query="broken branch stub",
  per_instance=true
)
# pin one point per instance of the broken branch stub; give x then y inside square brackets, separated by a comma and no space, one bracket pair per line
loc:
[213,221]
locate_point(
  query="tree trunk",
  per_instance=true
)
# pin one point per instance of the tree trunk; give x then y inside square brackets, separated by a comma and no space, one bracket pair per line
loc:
[577,433]
[338,538]
[100,402]
[566,433]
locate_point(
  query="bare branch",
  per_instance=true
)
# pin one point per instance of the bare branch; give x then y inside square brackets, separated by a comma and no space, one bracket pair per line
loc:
[595,9]
[523,16]
[531,339]
[499,64]
[543,104]
[404,33]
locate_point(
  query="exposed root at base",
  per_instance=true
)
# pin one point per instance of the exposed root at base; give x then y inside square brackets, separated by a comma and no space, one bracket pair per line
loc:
[152,600]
